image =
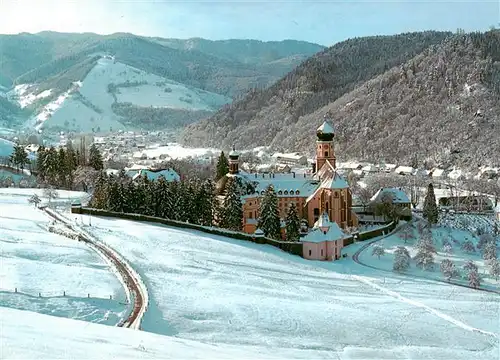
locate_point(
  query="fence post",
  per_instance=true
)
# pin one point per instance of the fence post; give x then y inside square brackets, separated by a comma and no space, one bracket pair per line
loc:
[64,293]
[39,295]
[88,295]
[15,290]
[110,297]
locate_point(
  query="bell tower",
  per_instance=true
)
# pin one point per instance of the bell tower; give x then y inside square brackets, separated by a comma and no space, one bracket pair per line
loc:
[324,145]
[234,161]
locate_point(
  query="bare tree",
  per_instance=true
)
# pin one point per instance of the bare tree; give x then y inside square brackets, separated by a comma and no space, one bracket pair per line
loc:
[378,251]
[50,193]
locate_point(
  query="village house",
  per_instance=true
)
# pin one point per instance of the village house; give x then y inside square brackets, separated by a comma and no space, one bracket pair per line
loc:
[324,241]
[322,191]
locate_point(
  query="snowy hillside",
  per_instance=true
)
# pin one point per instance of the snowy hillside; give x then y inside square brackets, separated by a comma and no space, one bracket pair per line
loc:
[36,336]
[51,274]
[216,290]
[87,105]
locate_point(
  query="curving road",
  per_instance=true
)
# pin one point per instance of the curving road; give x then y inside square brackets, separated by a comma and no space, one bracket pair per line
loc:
[128,276]
[355,258]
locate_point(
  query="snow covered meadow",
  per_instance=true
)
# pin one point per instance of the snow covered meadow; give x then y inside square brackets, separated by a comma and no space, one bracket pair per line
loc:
[48,273]
[213,297]
[454,232]
[220,291]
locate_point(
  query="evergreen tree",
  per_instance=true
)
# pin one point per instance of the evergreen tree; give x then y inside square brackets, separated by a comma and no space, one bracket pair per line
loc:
[448,269]
[292,224]
[401,259]
[490,252]
[473,274]
[232,208]
[19,158]
[99,198]
[269,221]
[95,158]
[468,246]
[425,254]
[495,269]
[430,211]
[205,203]
[222,166]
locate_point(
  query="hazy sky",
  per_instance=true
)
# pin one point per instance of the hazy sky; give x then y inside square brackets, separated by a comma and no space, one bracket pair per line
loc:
[324,22]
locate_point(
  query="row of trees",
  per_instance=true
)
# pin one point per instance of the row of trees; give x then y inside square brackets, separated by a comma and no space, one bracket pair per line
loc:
[191,200]
[68,168]
[426,249]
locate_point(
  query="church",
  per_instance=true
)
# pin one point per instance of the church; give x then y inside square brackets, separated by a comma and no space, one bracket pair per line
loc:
[323,191]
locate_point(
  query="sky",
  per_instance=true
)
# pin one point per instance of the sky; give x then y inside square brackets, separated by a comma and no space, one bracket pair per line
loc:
[320,21]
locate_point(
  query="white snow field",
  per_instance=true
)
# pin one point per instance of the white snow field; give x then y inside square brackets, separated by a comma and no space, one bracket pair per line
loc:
[220,291]
[44,267]
[27,335]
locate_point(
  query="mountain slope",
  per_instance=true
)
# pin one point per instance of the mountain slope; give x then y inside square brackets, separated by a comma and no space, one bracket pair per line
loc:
[59,62]
[316,82]
[211,65]
[440,106]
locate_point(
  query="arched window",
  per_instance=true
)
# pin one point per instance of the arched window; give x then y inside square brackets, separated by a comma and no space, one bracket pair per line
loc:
[326,153]
[297,192]
[286,192]
[327,207]
[262,192]
[321,252]
[280,192]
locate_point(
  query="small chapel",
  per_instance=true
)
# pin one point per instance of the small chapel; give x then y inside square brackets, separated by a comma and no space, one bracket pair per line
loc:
[322,192]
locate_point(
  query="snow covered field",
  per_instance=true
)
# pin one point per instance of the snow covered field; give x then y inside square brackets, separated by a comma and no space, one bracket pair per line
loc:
[37,262]
[221,291]
[456,237]
[36,336]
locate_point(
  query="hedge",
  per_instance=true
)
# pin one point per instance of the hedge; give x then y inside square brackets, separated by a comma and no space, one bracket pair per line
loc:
[294,248]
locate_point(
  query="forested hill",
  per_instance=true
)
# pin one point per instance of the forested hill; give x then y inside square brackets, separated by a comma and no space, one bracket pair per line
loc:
[428,97]
[206,64]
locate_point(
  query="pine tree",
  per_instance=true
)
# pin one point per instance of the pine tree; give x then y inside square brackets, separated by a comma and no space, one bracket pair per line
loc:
[95,158]
[222,166]
[292,224]
[448,269]
[378,251]
[484,239]
[269,221]
[425,254]
[19,158]
[468,246]
[430,211]
[490,252]
[206,202]
[401,259]
[473,274]
[232,208]
[406,233]
[495,269]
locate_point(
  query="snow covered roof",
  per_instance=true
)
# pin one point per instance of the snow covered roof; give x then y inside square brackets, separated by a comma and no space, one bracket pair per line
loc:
[398,195]
[316,235]
[284,184]
[326,128]
[335,181]
[259,232]
[404,170]
[168,174]
[369,168]
[437,172]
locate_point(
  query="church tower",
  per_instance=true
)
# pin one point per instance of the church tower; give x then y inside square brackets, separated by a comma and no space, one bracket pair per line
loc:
[234,162]
[324,145]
